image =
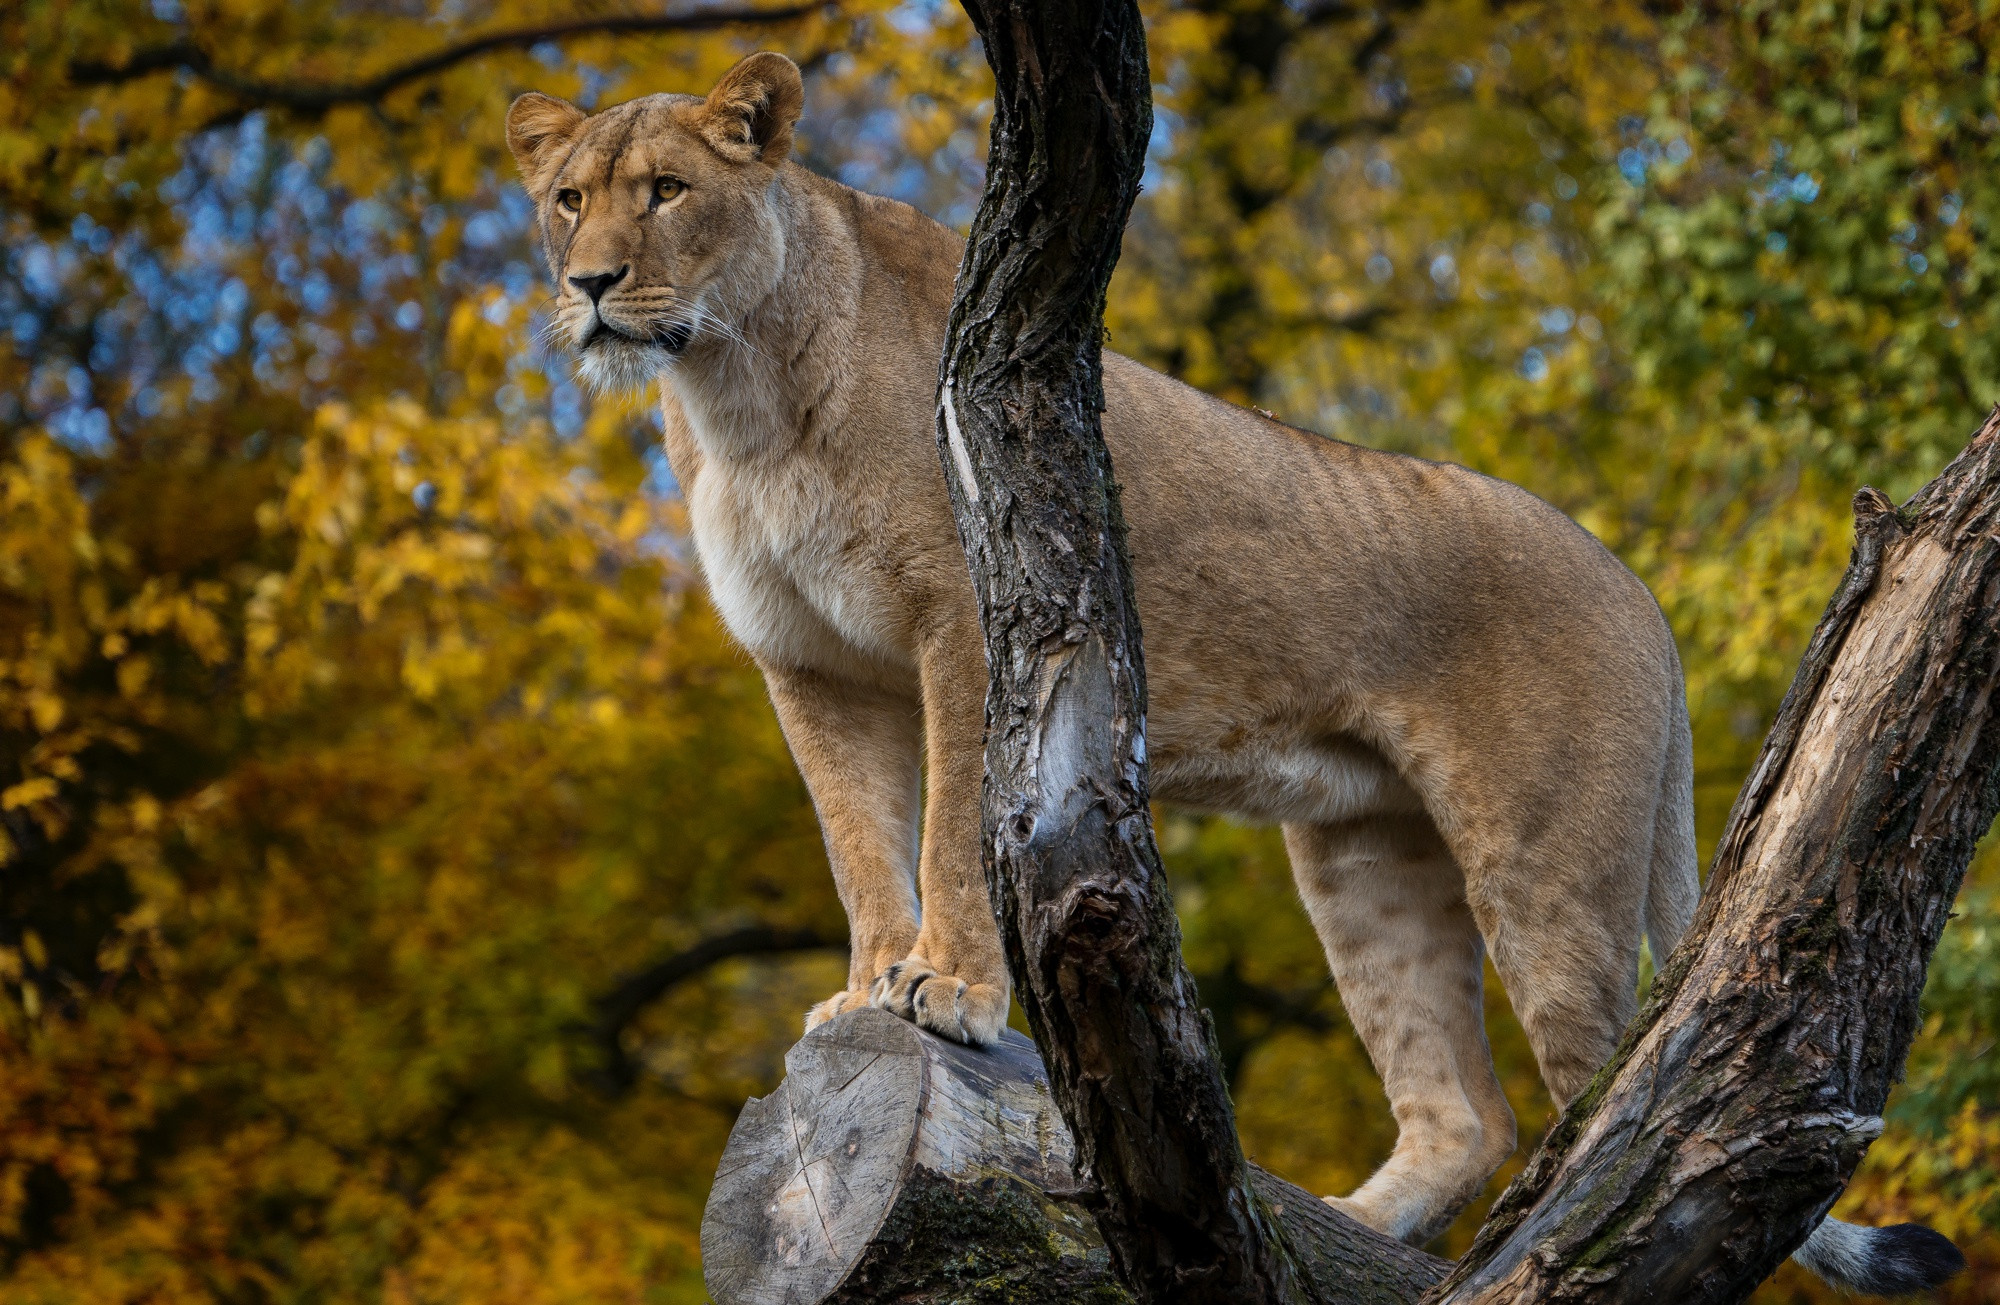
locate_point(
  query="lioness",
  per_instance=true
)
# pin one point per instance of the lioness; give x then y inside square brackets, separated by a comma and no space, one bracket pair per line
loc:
[1466,714]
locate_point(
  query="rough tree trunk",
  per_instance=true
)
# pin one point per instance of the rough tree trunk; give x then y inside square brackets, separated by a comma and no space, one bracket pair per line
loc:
[891,1165]
[1750,1086]
[1090,932]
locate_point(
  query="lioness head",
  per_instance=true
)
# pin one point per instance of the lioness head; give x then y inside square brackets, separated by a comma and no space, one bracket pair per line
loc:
[658,217]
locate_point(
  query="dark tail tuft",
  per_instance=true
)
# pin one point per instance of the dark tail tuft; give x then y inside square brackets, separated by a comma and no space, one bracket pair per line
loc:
[1891,1261]
[1915,1258]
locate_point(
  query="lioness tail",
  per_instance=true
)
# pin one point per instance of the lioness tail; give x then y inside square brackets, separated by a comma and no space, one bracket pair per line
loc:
[1892,1261]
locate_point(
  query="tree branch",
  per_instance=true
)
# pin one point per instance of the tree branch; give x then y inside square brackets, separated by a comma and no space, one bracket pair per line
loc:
[1230,997]
[186,54]
[619,1007]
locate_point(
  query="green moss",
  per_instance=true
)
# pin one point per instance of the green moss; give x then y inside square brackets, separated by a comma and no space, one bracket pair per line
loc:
[991,1242]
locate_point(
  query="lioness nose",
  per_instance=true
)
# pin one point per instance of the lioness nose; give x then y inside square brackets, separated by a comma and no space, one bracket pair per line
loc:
[596,283]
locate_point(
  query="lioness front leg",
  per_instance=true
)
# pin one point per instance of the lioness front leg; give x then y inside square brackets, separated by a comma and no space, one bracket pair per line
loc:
[954,981]
[857,747]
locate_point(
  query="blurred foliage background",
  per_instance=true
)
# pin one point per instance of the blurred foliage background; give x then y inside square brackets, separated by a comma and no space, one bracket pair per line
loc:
[403,881]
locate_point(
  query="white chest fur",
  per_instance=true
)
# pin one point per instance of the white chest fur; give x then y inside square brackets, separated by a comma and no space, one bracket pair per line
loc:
[786,550]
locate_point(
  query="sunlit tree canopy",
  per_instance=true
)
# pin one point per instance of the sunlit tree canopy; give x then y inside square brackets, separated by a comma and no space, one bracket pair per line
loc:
[403,881]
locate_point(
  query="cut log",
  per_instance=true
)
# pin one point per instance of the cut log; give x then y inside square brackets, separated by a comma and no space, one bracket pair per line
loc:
[891,1165]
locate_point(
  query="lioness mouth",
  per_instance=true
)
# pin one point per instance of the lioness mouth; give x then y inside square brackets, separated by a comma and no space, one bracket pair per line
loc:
[673,338]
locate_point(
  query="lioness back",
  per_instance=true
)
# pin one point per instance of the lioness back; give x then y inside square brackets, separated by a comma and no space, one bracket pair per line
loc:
[1377,563]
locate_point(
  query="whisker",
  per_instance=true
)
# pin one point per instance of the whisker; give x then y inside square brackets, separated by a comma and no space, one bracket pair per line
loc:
[706,320]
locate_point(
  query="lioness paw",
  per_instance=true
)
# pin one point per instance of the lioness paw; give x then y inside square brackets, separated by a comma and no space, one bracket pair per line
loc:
[951,1007]
[838,1004]
[1413,1221]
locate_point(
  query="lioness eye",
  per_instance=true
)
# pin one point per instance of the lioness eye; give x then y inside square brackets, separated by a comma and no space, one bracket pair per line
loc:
[569,201]
[666,188]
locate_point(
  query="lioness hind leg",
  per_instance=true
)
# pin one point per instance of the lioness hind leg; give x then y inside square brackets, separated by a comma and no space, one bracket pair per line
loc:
[1570,963]
[1389,905]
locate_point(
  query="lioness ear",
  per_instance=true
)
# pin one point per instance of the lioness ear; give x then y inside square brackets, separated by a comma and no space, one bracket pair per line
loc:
[751,111]
[537,126]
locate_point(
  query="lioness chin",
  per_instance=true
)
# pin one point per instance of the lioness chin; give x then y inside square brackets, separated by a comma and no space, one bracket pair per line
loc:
[1467,716]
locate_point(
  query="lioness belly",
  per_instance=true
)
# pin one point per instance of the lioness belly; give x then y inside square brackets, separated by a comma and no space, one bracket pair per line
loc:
[1320,782]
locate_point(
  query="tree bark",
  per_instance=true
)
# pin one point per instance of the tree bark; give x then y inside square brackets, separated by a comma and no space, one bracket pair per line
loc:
[891,1165]
[1751,1084]
[1090,932]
